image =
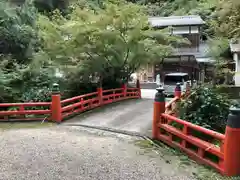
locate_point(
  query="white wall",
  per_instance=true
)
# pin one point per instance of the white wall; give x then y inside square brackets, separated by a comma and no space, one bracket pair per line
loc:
[237,68]
[185,30]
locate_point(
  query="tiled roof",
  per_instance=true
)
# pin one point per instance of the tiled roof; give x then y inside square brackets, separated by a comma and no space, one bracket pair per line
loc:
[175,21]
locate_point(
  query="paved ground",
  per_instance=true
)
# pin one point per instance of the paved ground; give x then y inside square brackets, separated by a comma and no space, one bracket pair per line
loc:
[70,153]
[148,93]
[131,115]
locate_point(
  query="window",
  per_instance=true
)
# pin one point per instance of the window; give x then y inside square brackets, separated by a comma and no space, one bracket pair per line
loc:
[194,29]
[186,78]
[150,68]
[181,30]
[175,79]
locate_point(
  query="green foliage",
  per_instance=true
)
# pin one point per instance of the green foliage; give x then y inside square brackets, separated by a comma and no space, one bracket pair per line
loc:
[227,23]
[221,23]
[221,16]
[205,8]
[23,82]
[17,33]
[51,5]
[219,50]
[206,107]
[94,43]
[110,44]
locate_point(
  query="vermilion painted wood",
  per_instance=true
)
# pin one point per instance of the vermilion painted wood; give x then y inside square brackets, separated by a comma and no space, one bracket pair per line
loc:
[7,113]
[25,104]
[232,151]
[132,89]
[191,153]
[56,108]
[186,137]
[27,119]
[214,134]
[78,97]
[70,106]
[111,90]
[209,147]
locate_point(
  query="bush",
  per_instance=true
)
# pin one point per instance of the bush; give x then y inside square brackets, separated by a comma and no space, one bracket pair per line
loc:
[206,107]
[90,46]
[17,33]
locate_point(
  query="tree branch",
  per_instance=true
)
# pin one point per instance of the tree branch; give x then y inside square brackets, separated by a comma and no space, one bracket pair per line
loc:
[128,50]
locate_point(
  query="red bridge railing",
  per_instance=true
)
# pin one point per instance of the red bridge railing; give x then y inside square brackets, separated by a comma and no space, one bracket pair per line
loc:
[58,109]
[217,150]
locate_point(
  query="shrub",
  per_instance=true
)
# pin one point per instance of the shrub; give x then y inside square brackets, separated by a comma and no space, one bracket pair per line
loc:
[17,33]
[206,107]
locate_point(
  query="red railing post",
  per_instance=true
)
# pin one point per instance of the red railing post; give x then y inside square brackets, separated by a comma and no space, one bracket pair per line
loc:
[56,108]
[178,91]
[231,150]
[21,108]
[185,132]
[158,109]
[124,90]
[100,95]
[139,88]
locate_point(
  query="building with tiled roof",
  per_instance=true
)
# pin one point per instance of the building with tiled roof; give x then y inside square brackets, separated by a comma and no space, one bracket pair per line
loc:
[192,59]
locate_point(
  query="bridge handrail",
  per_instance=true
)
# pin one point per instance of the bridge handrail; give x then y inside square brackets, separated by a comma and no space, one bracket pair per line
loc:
[78,97]
[112,90]
[23,112]
[132,89]
[26,111]
[25,104]
[101,97]
[198,142]
[187,140]
[209,132]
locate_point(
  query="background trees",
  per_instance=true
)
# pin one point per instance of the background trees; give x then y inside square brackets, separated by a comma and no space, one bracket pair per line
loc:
[101,42]
[88,46]
[110,44]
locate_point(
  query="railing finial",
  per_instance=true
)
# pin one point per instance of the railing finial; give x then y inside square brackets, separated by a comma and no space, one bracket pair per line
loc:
[55,88]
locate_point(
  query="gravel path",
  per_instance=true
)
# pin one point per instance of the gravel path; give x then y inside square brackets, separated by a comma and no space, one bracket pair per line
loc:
[70,153]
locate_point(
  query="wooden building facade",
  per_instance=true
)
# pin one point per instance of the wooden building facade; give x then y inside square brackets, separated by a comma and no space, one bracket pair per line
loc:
[188,58]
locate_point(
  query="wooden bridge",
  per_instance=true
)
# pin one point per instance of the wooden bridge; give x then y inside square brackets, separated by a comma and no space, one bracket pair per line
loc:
[136,116]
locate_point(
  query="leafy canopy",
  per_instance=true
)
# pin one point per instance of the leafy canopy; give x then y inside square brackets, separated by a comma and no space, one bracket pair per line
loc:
[206,107]
[17,30]
[228,16]
[114,42]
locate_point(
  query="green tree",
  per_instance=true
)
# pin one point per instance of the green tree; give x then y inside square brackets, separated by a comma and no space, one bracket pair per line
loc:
[219,51]
[17,33]
[110,44]
[227,23]
[51,5]
[206,107]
